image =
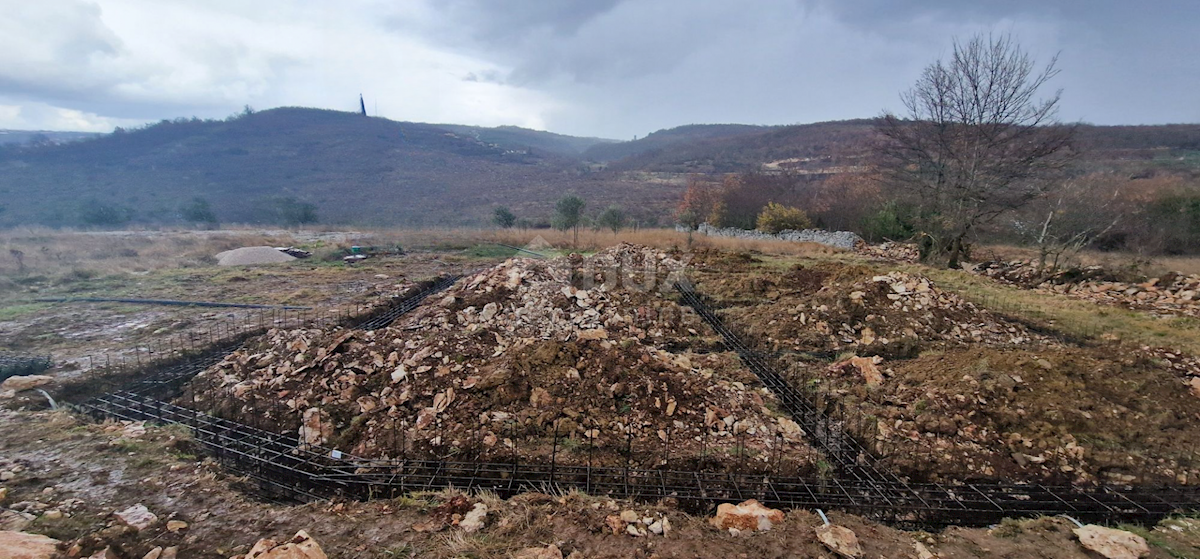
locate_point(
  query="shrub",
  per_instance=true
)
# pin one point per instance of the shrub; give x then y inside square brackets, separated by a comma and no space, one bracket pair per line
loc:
[97,213]
[891,222]
[613,218]
[291,211]
[198,210]
[504,217]
[778,217]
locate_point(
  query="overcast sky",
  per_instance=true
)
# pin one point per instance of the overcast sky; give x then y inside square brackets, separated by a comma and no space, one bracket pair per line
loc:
[610,68]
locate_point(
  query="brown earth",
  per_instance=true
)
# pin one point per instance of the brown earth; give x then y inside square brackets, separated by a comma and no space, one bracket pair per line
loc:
[81,336]
[956,391]
[513,359]
[88,471]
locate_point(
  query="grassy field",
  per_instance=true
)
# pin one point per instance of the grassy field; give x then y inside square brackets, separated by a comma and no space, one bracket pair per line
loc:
[169,263]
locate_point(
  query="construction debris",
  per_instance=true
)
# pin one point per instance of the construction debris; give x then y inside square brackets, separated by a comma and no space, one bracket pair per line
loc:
[749,516]
[840,540]
[892,315]
[638,525]
[1171,293]
[294,252]
[137,517]
[586,352]
[301,546]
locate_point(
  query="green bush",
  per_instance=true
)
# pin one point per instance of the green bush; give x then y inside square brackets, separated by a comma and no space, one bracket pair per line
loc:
[100,214]
[778,217]
[892,221]
[504,217]
[198,210]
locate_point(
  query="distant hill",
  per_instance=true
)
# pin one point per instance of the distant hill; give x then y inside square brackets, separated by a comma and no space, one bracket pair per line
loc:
[515,138]
[350,168]
[827,147]
[37,137]
[286,164]
[665,139]
[798,147]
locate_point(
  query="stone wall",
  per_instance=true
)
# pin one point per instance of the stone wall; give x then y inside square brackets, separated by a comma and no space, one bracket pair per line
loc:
[837,239]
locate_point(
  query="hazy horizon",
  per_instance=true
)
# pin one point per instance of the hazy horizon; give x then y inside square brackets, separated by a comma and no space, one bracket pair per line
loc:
[609,68]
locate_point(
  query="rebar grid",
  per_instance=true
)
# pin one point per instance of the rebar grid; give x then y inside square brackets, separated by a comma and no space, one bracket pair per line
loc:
[398,308]
[284,465]
[309,471]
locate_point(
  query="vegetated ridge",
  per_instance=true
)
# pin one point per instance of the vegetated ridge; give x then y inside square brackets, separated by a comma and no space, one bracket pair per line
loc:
[350,169]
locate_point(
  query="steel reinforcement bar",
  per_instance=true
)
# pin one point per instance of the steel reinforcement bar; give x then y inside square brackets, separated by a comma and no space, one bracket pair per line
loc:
[283,465]
[826,433]
[390,313]
[286,466]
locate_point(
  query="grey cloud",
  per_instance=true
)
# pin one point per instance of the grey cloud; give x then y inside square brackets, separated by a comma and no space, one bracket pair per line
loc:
[59,47]
[596,67]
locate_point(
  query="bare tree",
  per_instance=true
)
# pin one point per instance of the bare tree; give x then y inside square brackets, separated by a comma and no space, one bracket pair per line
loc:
[977,142]
[1072,217]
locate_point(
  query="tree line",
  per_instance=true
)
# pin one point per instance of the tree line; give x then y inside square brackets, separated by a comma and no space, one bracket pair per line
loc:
[979,155]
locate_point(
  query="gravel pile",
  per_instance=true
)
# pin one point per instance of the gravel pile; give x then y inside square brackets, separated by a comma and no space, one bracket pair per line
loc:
[250,256]
[510,357]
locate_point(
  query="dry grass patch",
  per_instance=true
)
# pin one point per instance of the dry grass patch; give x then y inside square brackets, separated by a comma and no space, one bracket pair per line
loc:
[1078,318]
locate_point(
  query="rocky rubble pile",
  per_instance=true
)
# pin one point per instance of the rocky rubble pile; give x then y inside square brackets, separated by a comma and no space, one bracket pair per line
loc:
[900,252]
[889,315]
[585,351]
[1187,367]
[1169,294]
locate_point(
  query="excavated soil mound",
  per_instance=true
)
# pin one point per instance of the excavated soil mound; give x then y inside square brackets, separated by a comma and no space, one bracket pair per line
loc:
[943,389]
[892,315]
[250,256]
[1061,414]
[588,349]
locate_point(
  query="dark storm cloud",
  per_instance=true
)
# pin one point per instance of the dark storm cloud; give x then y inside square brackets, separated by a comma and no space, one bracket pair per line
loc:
[601,67]
[640,65]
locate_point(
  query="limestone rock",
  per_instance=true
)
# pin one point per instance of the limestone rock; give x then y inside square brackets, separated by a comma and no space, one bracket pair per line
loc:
[176,525]
[1111,543]
[12,385]
[474,520]
[747,516]
[840,540]
[19,545]
[15,520]
[301,546]
[922,551]
[106,553]
[137,517]
[549,552]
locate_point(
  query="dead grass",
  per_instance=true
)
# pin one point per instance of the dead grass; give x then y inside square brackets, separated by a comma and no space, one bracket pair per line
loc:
[58,254]
[1139,263]
[1074,317]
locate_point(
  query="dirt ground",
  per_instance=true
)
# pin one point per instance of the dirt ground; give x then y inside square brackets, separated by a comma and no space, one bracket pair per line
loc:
[960,392]
[942,387]
[81,335]
[512,361]
[88,471]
